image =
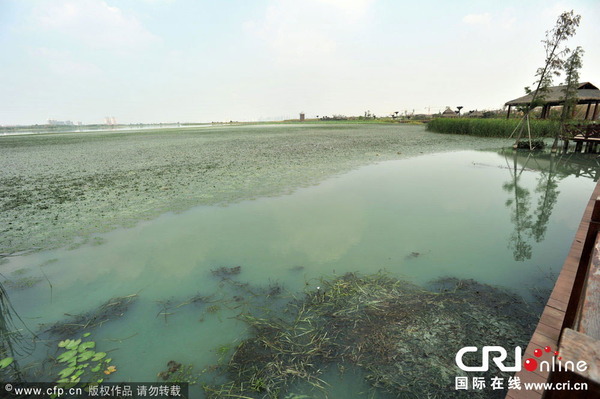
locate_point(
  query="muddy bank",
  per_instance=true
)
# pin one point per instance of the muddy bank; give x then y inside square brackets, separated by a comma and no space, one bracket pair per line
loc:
[56,187]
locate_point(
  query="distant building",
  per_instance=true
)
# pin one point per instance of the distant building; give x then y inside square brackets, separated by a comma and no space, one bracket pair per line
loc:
[448,113]
[302,116]
[587,93]
[54,122]
[475,114]
[110,120]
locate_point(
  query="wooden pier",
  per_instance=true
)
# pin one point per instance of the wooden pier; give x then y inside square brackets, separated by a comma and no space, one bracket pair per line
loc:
[584,134]
[571,319]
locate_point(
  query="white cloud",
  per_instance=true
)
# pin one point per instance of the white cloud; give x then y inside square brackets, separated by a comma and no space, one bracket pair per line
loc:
[353,9]
[94,23]
[478,19]
[555,10]
[308,31]
[63,63]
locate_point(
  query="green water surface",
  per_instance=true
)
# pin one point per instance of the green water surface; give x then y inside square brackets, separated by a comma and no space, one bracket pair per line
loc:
[501,219]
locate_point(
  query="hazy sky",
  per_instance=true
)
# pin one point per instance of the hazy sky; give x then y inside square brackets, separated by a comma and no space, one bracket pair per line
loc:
[202,61]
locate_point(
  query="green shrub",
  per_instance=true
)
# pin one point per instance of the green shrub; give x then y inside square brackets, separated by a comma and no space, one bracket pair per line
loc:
[487,127]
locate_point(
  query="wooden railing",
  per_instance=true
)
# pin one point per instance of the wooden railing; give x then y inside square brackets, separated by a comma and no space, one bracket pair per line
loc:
[582,131]
[570,319]
[579,344]
[588,133]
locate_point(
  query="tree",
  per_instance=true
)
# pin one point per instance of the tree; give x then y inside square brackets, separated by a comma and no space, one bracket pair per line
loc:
[571,67]
[566,26]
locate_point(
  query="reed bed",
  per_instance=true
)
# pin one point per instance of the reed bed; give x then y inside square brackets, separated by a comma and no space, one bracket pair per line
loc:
[491,127]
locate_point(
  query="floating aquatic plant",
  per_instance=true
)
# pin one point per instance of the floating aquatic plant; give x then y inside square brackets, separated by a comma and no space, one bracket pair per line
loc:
[403,336]
[81,362]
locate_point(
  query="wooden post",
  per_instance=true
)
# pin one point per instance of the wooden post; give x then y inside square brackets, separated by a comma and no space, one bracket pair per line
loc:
[508,112]
[587,111]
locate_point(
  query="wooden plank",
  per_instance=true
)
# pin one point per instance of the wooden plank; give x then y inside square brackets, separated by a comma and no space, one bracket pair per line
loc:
[589,322]
[548,320]
[561,293]
[523,394]
[553,312]
[550,331]
[571,267]
[557,304]
[540,340]
[564,285]
[576,347]
[527,377]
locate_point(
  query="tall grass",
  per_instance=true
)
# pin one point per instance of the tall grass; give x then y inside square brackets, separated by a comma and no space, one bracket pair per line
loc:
[490,127]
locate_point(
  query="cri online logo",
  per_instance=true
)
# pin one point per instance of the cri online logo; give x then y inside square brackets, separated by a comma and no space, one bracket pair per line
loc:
[530,364]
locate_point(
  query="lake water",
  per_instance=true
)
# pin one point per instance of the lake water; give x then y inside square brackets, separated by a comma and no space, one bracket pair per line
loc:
[499,219]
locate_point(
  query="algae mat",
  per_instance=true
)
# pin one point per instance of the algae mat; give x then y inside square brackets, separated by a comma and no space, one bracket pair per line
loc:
[56,187]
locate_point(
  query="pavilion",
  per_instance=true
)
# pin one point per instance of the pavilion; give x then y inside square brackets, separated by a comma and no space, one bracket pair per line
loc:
[587,93]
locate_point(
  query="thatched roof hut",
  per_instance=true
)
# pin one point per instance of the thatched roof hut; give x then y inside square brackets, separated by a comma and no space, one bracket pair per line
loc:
[448,113]
[587,93]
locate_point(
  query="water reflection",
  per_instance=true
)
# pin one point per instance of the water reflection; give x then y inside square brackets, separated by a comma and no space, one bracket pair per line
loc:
[531,225]
[519,204]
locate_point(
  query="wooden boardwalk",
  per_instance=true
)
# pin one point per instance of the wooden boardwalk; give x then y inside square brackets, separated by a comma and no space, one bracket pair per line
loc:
[571,309]
[582,134]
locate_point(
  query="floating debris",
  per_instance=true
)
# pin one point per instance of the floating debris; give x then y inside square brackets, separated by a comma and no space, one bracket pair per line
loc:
[272,290]
[110,310]
[168,307]
[197,299]
[226,271]
[177,373]
[402,336]
[19,272]
[172,368]
[23,282]
[415,254]
[213,309]
[296,268]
